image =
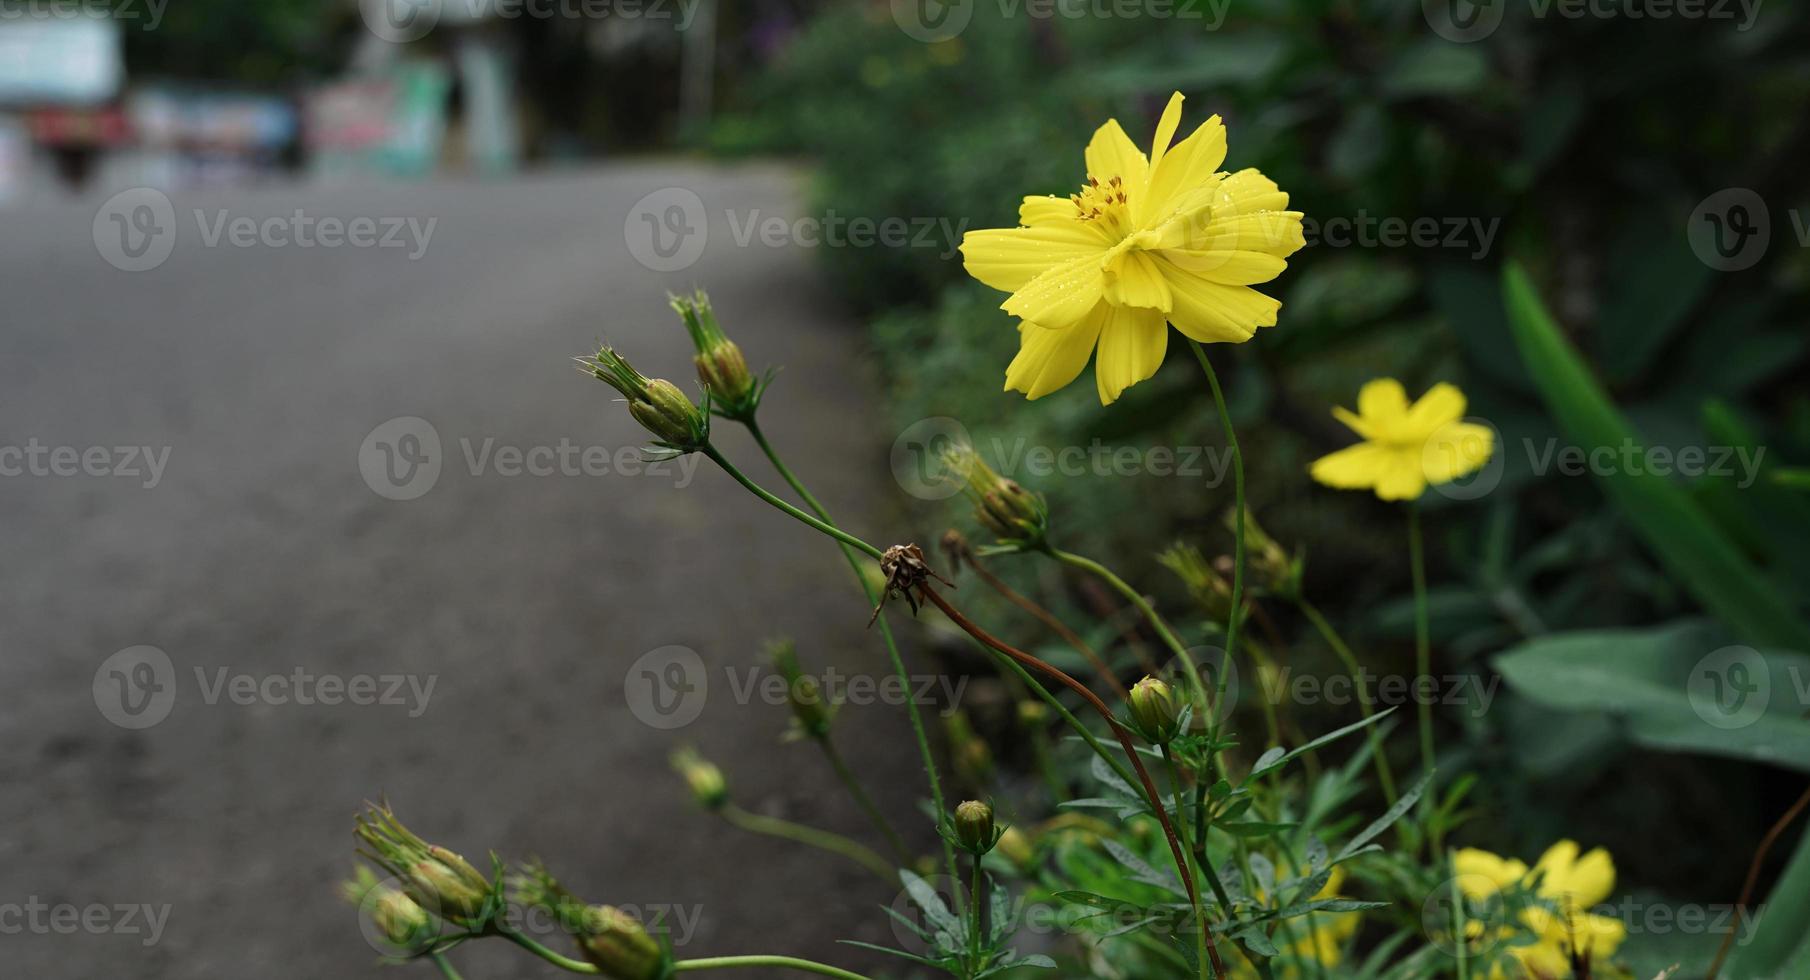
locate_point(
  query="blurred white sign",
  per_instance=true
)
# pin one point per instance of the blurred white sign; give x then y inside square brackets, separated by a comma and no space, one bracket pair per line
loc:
[59,61]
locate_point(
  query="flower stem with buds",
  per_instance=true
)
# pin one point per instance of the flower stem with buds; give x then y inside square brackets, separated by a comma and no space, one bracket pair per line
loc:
[867,589]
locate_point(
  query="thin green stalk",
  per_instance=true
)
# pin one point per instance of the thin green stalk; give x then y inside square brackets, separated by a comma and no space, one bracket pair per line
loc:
[799,515]
[782,962]
[1225,419]
[446,967]
[1334,640]
[849,546]
[563,962]
[977,909]
[1144,608]
[863,800]
[1423,657]
[756,823]
[1458,936]
[1181,827]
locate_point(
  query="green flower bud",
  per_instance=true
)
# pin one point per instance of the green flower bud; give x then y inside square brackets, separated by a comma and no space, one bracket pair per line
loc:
[721,368]
[811,708]
[397,916]
[974,827]
[708,787]
[1153,710]
[618,946]
[1208,587]
[1015,515]
[1272,569]
[432,876]
[658,405]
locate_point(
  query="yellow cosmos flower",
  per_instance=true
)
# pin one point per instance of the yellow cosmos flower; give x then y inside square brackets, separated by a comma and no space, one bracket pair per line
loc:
[1570,882]
[1405,447]
[1324,944]
[1148,241]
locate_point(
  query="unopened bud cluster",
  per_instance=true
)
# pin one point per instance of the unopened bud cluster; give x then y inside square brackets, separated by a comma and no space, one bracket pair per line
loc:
[722,369]
[660,407]
[1016,516]
[708,787]
[432,877]
[812,711]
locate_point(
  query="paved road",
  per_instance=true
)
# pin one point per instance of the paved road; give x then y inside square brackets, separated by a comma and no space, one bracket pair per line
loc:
[261,551]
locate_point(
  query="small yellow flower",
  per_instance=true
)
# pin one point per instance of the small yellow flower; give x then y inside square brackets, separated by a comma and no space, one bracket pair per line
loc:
[1570,882]
[1148,241]
[1405,447]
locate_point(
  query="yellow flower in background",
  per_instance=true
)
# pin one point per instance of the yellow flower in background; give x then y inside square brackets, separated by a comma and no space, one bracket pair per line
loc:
[1570,882]
[1405,447]
[1146,242]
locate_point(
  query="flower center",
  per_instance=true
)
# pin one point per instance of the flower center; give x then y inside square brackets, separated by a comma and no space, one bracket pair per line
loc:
[1104,202]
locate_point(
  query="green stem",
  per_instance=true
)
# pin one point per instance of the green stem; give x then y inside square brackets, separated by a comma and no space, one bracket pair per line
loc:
[563,962]
[1423,657]
[1181,827]
[756,823]
[1459,940]
[1334,640]
[1225,420]
[446,967]
[866,802]
[873,597]
[799,515]
[782,962]
[977,910]
[1145,609]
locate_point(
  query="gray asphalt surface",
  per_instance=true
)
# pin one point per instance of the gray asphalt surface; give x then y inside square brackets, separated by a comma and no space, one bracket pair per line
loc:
[262,550]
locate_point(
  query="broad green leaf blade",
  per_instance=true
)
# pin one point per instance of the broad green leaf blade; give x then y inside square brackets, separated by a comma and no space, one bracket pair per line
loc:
[1670,523]
[1678,688]
[1780,946]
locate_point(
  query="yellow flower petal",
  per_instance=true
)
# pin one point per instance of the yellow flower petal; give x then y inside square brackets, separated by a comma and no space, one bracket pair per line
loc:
[1441,405]
[1112,154]
[1182,171]
[1584,881]
[1481,873]
[1248,191]
[1455,449]
[1403,479]
[1133,279]
[1383,403]
[1358,467]
[1238,249]
[1213,312]
[1049,357]
[1353,421]
[1010,258]
[1038,210]
[1132,343]
[1060,296]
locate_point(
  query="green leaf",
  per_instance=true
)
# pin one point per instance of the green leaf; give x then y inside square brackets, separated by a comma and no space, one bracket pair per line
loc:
[1670,523]
[1389,816]
[1331,736]
[1677,688]
[1780,944]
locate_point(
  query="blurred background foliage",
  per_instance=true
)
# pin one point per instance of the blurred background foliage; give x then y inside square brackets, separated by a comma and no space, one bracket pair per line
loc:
[1580,147]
